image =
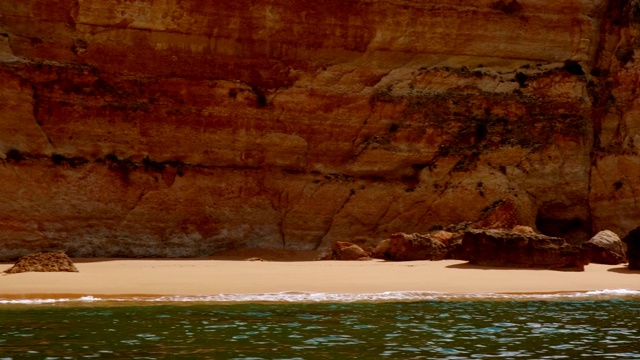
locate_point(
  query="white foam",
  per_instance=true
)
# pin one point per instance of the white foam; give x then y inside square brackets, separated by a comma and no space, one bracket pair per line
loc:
[614,292]
[32,301]
[306,297]
[88,298]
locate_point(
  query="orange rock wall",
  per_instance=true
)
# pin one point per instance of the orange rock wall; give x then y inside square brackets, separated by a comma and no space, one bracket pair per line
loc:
[180,128]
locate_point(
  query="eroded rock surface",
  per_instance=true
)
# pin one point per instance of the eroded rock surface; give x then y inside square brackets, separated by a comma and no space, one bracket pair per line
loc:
[605,248]
[43,262]
[149,128]
[342,250]
[381,250]
[511,249]
[406,247]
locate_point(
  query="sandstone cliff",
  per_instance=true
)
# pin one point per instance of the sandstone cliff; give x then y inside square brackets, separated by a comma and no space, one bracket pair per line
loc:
[180,128]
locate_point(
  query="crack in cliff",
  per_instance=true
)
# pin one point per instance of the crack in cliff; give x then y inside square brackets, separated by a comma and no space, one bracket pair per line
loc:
[139,200]
[281,229]
[284,211]
[333,218]
[74,12]
[35,111]
[398,214]
[362,147]
[283,204]
[357,150]
[376,226]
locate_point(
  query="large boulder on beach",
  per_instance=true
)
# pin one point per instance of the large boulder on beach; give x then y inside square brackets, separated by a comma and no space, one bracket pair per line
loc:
[632,240]
[406,247]
[381,251]
[342,250]
[503,248]
[453,242]
[43,262]
[605,248]
[429,250]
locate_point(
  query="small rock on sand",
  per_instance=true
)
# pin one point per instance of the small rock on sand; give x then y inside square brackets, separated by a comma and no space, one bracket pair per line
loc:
[43,262]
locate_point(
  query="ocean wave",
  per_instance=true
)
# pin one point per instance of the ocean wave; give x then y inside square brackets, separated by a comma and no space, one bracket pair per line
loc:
[308,297]
[82,299]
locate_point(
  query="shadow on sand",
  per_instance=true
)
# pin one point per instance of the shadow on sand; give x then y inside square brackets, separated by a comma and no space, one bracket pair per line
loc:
[242,254]
[624,270]
[481,267]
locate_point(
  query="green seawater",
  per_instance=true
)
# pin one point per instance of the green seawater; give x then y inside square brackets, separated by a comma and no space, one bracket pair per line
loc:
[435,329]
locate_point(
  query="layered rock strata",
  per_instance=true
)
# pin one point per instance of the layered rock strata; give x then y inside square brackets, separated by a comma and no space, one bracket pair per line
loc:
[155,128]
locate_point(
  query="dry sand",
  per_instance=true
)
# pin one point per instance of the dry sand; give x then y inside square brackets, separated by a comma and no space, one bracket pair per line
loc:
[213,276]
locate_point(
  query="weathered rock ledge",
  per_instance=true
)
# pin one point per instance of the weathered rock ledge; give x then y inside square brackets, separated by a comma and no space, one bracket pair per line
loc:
[510,249]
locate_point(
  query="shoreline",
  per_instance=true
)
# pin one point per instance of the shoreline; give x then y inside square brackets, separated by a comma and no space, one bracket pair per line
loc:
[309,298]
[217,278]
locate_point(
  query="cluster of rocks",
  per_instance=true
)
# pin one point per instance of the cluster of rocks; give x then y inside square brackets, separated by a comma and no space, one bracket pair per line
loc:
[519,247]
[342,250]
[43,262]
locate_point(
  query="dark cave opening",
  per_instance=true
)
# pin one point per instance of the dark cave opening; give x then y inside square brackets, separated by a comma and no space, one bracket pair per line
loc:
[574,230]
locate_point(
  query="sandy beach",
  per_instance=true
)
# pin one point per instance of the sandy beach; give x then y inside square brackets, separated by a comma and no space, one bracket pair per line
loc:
[230,274]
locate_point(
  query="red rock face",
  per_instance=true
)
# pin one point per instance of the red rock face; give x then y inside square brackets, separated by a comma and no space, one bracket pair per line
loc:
[155,128]
[616,114]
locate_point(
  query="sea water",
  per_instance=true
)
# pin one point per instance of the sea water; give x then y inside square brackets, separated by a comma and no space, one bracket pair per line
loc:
[602,325]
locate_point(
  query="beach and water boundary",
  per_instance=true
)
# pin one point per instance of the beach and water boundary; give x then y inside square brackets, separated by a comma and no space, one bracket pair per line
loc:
[226,308]
[228,277]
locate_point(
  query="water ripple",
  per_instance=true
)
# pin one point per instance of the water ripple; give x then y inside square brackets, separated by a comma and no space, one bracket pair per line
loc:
[540,329]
